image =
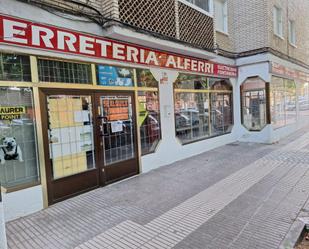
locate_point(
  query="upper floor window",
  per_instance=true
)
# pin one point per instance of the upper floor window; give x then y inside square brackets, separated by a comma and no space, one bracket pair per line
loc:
[278,22]
[292,32]
[203,4]
[221,15]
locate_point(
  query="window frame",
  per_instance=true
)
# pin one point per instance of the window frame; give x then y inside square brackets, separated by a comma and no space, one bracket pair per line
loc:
[224,12]
[210,11]
[209,92]
[292,33]
[278,21]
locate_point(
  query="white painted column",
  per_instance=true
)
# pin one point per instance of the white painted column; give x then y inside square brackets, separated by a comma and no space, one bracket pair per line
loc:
[3,242]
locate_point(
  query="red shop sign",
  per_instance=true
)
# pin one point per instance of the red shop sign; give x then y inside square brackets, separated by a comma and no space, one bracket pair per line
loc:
[28,34]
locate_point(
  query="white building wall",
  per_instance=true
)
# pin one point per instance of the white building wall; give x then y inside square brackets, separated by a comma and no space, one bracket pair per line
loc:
[170,148]
[23,202]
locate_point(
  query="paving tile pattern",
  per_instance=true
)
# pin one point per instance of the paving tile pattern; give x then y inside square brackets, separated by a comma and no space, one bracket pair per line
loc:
[236,196]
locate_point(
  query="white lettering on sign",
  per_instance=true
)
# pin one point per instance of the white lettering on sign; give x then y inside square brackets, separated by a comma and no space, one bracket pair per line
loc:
[42,34]
[86,45]
[65,38]
[12,31]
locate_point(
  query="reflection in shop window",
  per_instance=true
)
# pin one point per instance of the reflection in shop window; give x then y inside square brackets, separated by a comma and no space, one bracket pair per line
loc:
[149,120]
[221,106]
[254,111]
[145,78]
[18,153]
[64,72]
[203,107]
[191,116]
[283,102]
[70,134]
[303,99]
[15,67]
[148,111]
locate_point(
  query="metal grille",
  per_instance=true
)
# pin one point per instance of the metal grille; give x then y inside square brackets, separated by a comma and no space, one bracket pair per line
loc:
[155,16]
[195,27]
[71,134]
[117,128]
[66,72]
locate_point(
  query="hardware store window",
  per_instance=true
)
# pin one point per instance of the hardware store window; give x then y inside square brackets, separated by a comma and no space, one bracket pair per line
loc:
[254,113]
[18,153]
[203,107]
[147,96]
[149,111]
[283,102]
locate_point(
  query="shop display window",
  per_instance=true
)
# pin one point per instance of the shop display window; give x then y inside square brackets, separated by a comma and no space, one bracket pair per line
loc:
[18,145]
[254,112]
[303,99]
[283,102]
[149,120]
[203,107]
[70,134]
[64,72]
[14,67]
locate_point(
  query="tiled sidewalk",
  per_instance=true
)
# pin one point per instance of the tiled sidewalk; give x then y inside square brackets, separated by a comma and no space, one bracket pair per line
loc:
[236,196]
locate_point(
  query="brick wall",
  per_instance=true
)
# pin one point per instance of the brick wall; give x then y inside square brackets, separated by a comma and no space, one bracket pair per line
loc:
[246,26]
[250,27]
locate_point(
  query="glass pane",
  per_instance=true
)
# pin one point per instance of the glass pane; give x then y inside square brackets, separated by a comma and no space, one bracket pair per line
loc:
[254,104]
[70,134]
[221,113]
[149,121]
[290,100]
[117,128]
[191,116]
[115,76]
[15,67]
[66,72]
[145,78]
[303,100]
[277,102]
[188,81]
[18,153]
[283,102]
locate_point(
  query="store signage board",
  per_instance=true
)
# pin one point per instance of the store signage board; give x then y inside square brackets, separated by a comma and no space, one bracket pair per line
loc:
[10,113]
[29,34]
[115,76]
[281,70]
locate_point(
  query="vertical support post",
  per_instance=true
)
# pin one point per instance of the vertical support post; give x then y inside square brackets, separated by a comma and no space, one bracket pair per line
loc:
[34,69]
[40,141]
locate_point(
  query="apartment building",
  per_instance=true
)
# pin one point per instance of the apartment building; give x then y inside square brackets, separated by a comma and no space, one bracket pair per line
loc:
[269,40]
[93,92]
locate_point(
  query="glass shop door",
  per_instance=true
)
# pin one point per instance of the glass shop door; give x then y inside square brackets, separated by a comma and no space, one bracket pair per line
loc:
[117,145]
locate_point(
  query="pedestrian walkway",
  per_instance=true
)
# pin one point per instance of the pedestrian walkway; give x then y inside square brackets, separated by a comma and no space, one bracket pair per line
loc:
[237,196]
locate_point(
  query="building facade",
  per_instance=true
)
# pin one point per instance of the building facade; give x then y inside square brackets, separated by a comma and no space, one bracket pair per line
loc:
[92,92]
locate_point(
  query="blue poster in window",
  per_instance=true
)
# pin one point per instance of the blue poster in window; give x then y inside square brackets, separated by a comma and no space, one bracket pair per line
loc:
[115,76]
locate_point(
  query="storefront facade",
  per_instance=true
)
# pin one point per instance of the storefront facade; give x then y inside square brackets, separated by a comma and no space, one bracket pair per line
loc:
[274,98]
[79,111]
